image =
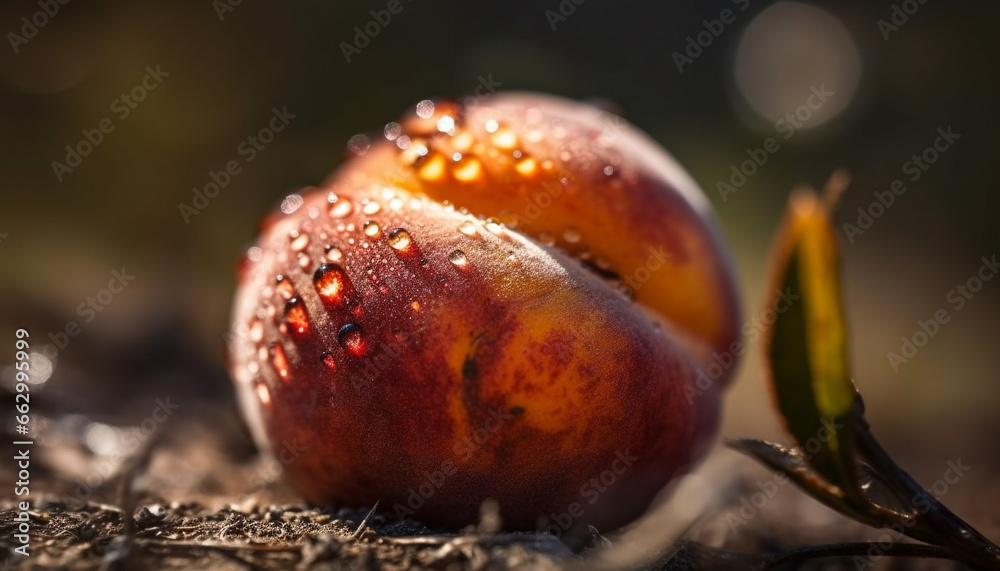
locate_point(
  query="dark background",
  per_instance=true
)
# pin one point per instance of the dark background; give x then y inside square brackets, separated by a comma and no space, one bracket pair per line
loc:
[165,332]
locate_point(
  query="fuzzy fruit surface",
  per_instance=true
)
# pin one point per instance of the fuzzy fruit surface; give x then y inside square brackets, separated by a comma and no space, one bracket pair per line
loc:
[510,302]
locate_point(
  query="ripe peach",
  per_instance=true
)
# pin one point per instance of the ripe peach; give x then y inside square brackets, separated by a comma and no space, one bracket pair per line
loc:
[508,302]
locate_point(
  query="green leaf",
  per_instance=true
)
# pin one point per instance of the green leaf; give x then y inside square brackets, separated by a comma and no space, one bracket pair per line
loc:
[805,349]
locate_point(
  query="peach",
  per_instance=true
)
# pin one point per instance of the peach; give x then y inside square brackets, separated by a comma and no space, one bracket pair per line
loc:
[513,302]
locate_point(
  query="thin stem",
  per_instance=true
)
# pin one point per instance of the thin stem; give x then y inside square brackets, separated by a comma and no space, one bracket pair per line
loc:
[935,524]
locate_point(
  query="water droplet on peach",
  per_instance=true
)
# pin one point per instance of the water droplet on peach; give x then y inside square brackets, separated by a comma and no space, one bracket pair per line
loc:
[468,171]
[280,362]
[359,144]
[392,131]
[494,225]
[371,228]
[341,208]
[457,257]
[284,287]
[304,261]
[327,358]
[333,254]
[299,241]
[425,109]
[296,316]
[400,239]
[291,203]
[263,393]
[256,331]
[468,228]
[351,339]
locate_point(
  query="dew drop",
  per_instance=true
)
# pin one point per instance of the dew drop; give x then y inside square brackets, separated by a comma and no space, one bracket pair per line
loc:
[468,228]
[526,167]
[284,287]
[263,393]
[396,203]
[425,109]
[493,225]
[458,258]
[333,254]
[371,228]
[304,261]
[492,126]
[341,208]
[299,242]
[328,360]
[255,254]
[504,139]
[256,331]
[445,124]
[468,171]
[609,170]
[433,169]
[351,339]
[359,144]
[332,283]
[547,239]
[400,239]
[296,316]
[371,208]
[392,130]
[280,362]
[291,203]
[403,142]
[571,236]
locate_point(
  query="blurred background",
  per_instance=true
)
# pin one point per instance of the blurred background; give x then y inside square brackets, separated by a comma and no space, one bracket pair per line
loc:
[183,84]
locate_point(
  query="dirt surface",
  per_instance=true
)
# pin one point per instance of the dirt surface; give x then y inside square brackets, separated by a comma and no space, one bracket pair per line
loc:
[117,485]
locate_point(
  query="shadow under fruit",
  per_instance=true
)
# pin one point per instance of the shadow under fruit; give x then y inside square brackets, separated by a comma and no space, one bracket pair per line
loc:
[509,302]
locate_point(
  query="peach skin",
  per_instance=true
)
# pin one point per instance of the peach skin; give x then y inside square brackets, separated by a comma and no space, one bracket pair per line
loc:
[512,302]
